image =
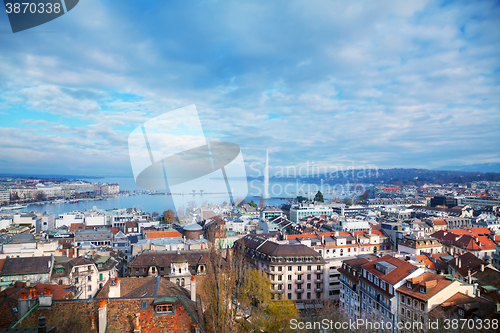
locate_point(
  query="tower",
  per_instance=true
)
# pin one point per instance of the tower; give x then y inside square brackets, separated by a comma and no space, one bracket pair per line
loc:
[266,177]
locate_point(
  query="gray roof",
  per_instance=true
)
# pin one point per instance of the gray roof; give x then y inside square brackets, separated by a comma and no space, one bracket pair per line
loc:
[28,265]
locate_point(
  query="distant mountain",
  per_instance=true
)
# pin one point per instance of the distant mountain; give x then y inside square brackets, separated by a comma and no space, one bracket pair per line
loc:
[485,167]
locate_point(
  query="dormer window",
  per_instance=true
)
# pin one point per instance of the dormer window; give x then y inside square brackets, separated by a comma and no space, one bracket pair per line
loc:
[408,285]
[165,308]
[422,290]
[461,312]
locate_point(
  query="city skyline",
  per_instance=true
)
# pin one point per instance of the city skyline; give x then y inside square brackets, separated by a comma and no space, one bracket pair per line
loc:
[391,84]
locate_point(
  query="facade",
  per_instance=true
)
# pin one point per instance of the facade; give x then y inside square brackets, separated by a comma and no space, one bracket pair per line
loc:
[33,269]
[177,266]
[458,222]
[304,210]
[422,294]
[270,212]
[350,293]
[417,244]
[97,237]
[4,196]
[379,281]
[296,271]
[88,274]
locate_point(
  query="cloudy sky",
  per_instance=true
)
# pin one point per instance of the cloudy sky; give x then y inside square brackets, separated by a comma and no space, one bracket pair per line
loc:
[380,83]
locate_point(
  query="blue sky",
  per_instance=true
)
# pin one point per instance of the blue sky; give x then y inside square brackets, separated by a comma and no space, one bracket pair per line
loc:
[331,83]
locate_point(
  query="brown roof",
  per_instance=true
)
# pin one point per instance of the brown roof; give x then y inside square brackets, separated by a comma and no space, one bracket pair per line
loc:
[432,282]
[273,249]
[9,298]
[144,287]
[82,315]
[165,258]
[467,261]
[27,265]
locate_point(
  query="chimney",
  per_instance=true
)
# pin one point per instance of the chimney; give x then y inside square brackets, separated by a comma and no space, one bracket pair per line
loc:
[114,288]
[46,298]
[482,267]
[193,288]
[25,303]
[459,263]
[102,316]
[137,328]
[42,325]
[468,276]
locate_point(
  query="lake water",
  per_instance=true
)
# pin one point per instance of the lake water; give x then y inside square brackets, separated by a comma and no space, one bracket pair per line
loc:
[160,203]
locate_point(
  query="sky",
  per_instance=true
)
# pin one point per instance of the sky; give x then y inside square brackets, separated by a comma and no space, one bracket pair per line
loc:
[383,84]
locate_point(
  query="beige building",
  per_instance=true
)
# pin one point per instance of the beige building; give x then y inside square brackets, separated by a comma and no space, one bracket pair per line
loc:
[422,294]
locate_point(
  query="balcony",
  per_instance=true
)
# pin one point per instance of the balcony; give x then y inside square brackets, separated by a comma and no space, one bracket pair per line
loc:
[319,280]
[280,291]
[299,290]
[299,281]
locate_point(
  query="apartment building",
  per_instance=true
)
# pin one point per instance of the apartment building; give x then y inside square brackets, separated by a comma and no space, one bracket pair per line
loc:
[422,294]
[379,281]
[418,243]
[296,271]
[303,210]
[350,294]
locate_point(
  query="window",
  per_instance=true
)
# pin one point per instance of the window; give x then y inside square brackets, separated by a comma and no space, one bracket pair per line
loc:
[144,304]
[299,296]
[90,288]
[89,278]
[308,295]
[422,306]
[308,286]
[422,290]
[289,295]
[76,279]
[299,268]
[408,285]
[280,277]
[289,278]
[289,268]
[167,308]
[402,299]
[461,312]
[279,268]
[289,286]
[299,276]
[318,268]
[308,268]
[309,276]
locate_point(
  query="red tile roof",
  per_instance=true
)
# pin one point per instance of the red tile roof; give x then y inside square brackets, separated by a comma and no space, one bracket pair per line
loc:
[403,269]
